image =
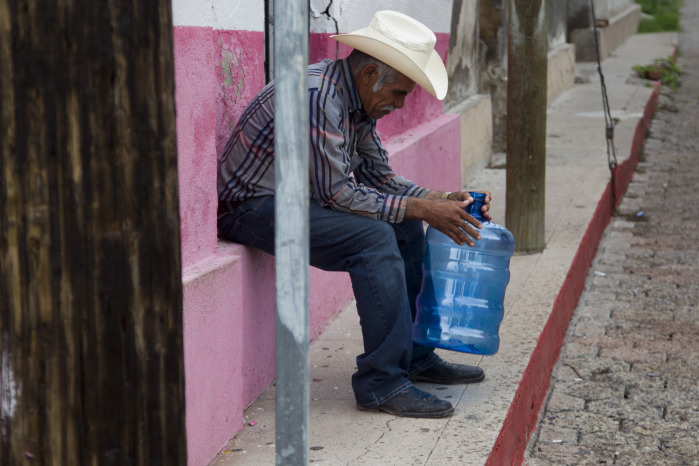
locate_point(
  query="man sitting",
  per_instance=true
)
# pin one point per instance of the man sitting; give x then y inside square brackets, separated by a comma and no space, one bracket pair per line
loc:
[364,218]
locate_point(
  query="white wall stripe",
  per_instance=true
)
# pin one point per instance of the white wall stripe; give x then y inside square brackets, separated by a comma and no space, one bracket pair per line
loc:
[235,15]
[351,15]
[343,15]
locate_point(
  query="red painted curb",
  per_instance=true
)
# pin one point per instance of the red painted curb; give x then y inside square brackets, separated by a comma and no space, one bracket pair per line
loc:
[522,416]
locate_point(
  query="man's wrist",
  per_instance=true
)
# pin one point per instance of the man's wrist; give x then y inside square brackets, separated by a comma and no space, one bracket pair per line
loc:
[415,208]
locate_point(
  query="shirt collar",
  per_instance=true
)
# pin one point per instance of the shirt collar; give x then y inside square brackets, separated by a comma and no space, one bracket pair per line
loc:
[354,102]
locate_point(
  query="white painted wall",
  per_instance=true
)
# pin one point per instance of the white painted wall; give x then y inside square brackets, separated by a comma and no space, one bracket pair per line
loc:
[343,15]
[235,15]
[350,15]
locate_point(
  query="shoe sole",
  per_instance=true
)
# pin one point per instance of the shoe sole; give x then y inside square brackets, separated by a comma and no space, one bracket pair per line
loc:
[435,415]
[417,378]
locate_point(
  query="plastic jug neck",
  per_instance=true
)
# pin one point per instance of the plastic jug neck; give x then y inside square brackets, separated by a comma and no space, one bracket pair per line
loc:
[475,207]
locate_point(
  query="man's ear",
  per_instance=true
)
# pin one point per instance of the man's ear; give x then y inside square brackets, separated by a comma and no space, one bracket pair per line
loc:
[369,74]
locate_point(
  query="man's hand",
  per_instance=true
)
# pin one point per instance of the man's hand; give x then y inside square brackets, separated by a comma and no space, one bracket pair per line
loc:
[449,215]
[465,196]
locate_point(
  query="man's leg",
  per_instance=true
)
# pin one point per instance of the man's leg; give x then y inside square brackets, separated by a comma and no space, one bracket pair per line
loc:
[368,250]
[410,236]
[385,265]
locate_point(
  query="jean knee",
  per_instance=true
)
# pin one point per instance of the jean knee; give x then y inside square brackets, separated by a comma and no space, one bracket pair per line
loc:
[381,236]
[414,230]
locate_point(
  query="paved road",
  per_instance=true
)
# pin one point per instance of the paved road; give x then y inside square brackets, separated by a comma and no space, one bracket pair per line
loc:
[626,390]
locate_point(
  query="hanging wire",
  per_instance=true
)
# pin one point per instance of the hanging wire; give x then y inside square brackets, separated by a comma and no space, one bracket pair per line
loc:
[609,122]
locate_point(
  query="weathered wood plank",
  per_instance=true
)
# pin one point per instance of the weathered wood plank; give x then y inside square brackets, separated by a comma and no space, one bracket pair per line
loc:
[90,274]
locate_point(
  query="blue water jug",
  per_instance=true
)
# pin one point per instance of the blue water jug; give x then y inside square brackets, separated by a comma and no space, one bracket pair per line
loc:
[460,305]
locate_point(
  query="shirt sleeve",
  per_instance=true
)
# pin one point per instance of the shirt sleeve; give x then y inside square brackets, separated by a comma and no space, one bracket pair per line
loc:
[373,190]
[374,169]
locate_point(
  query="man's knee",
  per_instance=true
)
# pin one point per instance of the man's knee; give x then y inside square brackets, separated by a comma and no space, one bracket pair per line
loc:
[414,229]
[380,234]
[410,232]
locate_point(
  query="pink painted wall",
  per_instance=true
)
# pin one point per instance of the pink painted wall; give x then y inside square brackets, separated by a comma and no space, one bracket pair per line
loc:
[195,93]
[240,68]
[216,74]
[430,154]
[213,360]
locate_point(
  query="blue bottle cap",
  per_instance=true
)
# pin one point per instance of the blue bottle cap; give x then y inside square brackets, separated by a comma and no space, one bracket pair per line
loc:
[475,207]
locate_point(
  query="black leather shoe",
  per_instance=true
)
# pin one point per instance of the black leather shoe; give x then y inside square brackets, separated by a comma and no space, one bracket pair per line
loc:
[446,373]
[415,403]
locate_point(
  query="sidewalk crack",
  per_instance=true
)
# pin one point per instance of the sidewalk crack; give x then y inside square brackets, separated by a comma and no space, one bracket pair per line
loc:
[574,370]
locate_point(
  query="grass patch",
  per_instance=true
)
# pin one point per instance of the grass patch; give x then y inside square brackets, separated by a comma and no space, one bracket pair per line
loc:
[659,15]
[664,70]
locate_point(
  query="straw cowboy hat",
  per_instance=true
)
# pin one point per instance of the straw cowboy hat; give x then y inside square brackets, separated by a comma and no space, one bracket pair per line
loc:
[405,45]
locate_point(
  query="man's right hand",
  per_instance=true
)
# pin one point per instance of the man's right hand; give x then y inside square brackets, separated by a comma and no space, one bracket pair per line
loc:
[447,216]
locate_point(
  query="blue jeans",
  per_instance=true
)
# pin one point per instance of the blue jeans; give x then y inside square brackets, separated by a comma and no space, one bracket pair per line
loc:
[384,261]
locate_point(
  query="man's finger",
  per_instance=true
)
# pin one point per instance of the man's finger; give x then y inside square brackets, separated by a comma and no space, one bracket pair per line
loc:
[461,238]
[471,232]
[472,220]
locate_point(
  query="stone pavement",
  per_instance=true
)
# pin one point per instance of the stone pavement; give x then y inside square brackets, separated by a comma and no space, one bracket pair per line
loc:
[626,388]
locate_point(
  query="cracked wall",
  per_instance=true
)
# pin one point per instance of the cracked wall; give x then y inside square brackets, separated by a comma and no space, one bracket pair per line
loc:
[240,75]
[332,16]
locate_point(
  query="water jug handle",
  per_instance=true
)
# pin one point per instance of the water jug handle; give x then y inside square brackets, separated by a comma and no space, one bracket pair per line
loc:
[475,207]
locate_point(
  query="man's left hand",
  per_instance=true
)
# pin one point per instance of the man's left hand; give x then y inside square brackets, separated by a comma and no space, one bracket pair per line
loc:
[465,196]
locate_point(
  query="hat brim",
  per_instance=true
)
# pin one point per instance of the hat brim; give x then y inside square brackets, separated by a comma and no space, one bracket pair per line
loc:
[433,78]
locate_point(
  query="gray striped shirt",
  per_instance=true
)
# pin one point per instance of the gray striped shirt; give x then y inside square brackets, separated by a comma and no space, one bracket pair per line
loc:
[348,165]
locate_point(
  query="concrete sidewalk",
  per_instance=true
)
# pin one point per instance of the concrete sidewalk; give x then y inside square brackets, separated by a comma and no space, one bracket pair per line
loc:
[493,420]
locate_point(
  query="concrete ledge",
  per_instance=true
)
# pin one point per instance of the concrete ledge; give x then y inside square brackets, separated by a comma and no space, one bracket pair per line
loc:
[229,326]
[620,27]
[226,367]
[476,128]
[561,71]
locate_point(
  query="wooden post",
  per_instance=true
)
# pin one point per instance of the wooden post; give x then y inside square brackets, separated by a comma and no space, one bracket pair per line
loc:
[527,68]
[91,369]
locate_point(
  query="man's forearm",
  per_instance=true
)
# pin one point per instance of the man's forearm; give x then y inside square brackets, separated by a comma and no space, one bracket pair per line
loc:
[415,208]
[436,195]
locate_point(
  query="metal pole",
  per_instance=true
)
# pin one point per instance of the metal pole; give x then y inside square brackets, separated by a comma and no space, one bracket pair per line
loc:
[269,40]
[291,123]
[527,68]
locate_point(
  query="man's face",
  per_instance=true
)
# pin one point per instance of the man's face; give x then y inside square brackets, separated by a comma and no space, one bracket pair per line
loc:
[378,104]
